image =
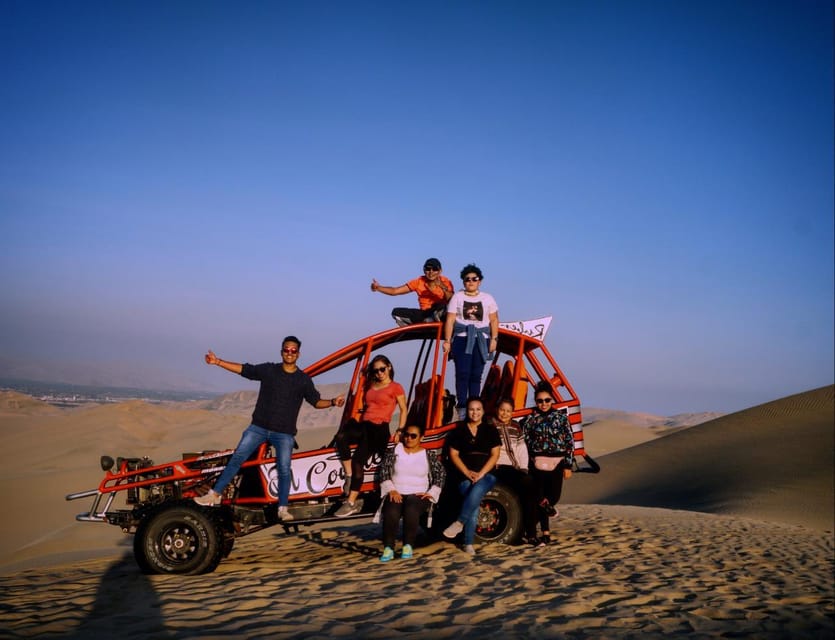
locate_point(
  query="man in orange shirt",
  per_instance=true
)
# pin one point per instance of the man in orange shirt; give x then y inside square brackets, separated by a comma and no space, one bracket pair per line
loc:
[433,290]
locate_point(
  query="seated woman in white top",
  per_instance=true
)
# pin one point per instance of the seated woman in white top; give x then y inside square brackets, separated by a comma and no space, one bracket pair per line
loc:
[410,478]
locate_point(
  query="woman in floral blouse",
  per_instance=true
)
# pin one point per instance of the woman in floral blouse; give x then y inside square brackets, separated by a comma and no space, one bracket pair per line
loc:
[551,448]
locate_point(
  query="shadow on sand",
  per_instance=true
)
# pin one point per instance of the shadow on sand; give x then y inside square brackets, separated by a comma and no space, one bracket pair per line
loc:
[126,601]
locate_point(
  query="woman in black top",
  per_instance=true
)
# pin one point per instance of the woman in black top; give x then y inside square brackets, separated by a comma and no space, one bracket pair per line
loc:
[473,448]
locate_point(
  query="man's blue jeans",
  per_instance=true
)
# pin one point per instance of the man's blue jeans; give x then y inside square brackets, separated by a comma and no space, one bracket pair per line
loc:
[473,493]
[251,439]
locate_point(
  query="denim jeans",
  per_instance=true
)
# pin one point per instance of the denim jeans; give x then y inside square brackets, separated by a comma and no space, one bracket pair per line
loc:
[251,439]
[469,368]
[473,493]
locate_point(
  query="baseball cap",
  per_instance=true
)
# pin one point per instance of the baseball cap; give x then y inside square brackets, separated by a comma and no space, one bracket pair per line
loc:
[432,263]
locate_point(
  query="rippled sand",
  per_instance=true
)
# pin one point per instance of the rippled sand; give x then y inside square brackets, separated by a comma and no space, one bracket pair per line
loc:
[613,572]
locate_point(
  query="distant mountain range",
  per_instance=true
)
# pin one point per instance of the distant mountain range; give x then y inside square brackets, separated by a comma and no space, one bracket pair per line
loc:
[242,402]
[592,415]
[110,375]
[62,393]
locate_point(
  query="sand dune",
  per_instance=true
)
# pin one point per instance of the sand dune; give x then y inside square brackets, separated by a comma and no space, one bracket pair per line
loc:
[773,462]
[49,452]
[744,549]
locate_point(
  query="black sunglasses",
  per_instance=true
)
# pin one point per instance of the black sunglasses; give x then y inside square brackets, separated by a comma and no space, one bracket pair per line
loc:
[379,369]
[411,436]
[473,279]
[543,400]
[431,269]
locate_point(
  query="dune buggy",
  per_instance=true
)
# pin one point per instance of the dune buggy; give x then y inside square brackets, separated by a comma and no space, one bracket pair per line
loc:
[172,534]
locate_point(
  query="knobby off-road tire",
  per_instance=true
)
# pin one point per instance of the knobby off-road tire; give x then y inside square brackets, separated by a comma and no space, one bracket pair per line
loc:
[499,516]
[181,538]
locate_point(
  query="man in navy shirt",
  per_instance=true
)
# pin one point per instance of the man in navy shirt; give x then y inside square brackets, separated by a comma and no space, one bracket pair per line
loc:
[283,387]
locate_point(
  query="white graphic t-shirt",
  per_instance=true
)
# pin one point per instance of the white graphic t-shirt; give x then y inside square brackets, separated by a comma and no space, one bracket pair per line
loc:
[473,310]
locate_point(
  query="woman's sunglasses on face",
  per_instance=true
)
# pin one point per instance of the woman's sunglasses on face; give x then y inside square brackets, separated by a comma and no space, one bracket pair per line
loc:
[472,279]
[379,369]
[544,400]
[411,436]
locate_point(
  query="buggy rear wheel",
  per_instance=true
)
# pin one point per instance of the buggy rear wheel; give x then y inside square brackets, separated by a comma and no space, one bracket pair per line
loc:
[179,539]
[499,516]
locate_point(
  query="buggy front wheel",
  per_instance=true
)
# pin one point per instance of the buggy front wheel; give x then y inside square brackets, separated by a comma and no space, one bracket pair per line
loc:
[179,539]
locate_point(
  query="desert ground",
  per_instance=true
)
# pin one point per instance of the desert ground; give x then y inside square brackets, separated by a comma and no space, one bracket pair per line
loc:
[716,528]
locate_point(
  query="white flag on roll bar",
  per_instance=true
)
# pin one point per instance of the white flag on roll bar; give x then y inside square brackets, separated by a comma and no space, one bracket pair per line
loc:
[531,328]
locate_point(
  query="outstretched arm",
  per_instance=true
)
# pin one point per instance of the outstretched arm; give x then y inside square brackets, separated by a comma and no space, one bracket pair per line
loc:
[234,367]
[338,401]
[389,291]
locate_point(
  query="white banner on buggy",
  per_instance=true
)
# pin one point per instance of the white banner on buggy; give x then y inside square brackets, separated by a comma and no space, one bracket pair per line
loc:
[531,328]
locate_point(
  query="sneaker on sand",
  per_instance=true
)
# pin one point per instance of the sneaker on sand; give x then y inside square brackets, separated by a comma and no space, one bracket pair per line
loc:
[284,514]
[453,530]
[388,554]
[347,509]
[211,499]
[468,548]
[406,552]
[544,541]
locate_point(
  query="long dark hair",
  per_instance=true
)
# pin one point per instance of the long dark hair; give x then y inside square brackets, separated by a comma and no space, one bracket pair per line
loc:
[369,370]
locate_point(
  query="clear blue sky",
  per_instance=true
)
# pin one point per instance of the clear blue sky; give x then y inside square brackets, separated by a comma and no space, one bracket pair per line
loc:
[658,176]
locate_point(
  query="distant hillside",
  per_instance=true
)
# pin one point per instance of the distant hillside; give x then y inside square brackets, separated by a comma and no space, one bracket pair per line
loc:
[235,402]
[96,393]
[592,415]
[15,401]
[243,402]
[117,375]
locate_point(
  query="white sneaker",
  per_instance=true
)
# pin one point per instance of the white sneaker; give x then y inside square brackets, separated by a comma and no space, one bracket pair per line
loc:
[284,514]
[453,530]
[211,499]
[468,548]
